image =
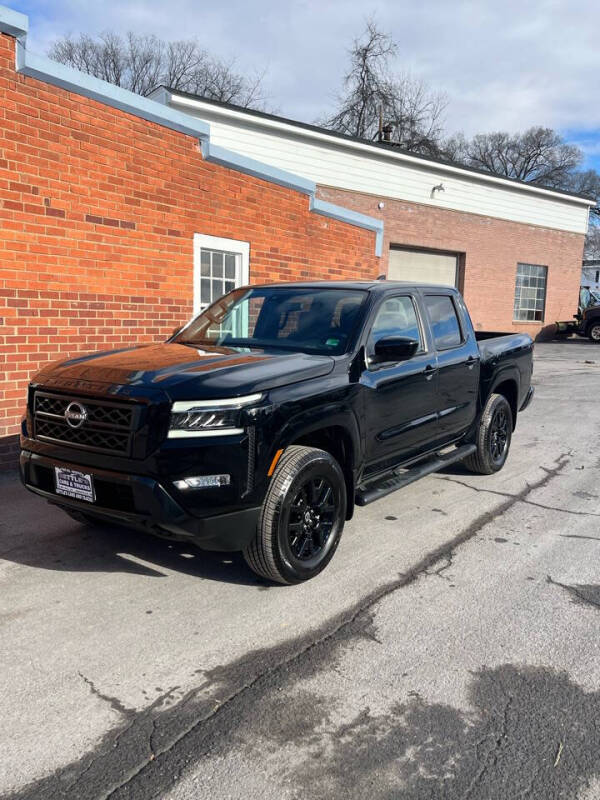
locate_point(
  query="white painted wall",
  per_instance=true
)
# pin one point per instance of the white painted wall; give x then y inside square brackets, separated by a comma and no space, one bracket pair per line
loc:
[329,161]
[588,277]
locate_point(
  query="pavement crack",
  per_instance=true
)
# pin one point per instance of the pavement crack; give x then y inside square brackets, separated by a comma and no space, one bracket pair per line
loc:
[491,758]
[113,702]
[122,759]
[520,499]
[578,536]
[151,739]
[448,560]
[135,719]
[443,553]
[588,595]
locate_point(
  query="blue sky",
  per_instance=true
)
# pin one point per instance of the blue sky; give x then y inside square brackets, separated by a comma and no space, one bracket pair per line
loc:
[589,142]
[502,66]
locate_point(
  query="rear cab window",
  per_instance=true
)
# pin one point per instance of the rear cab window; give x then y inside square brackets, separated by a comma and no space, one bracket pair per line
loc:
[443,319]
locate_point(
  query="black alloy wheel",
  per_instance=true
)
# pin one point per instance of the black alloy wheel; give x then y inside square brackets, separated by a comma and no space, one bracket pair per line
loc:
[499,435]
[311,519]
[302,517]
[492,436]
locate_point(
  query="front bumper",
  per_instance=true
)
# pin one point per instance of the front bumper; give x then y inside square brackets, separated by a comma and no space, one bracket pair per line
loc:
[143,503]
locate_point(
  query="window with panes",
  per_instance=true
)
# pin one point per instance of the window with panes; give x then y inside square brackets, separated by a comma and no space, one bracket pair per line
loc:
[220,272]
[530,293]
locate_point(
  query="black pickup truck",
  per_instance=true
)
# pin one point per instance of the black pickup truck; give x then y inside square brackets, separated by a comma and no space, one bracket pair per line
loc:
[267,418]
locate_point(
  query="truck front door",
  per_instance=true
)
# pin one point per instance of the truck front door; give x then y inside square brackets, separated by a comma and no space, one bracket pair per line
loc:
[400,399]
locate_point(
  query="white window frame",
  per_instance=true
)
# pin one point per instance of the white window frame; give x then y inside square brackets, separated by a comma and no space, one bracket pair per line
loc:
[204,241]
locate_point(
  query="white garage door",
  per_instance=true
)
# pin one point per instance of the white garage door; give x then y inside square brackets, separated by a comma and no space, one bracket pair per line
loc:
[421,267]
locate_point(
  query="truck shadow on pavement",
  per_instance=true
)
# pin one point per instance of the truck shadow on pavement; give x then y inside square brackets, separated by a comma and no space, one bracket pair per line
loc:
[36,535]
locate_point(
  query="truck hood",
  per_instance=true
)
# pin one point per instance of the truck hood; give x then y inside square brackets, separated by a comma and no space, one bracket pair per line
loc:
[184,372]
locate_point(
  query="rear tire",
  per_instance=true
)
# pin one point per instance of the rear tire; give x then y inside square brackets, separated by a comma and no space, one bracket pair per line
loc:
[302,517]
[493,437]
[594,332]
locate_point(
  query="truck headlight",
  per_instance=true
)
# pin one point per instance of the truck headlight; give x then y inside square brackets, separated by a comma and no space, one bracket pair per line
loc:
[209,417]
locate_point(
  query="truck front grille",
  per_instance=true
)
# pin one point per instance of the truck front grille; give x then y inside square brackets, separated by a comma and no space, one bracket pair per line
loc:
[108,426]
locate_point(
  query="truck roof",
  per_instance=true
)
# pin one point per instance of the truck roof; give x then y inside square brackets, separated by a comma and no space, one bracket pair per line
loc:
[376,286]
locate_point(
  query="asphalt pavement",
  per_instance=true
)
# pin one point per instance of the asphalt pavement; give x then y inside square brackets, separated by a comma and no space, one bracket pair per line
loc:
[450,650]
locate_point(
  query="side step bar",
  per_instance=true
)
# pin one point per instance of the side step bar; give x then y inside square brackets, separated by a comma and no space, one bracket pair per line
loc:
[374,491]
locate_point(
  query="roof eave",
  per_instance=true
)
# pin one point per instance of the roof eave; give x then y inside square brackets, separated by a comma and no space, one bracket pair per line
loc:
[393,153]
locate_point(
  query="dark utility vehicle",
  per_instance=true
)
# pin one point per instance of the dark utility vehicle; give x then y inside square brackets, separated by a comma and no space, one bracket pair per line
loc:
[588,316]
[586,322]
[261,423]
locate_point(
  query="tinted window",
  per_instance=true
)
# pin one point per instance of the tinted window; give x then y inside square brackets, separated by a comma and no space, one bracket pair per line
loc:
[396,317]
[444,322]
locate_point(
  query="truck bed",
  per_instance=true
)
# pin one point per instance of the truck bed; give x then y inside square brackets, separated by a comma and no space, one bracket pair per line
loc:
[507,353]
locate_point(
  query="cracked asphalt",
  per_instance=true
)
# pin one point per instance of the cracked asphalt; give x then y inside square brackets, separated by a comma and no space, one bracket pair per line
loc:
[450,650]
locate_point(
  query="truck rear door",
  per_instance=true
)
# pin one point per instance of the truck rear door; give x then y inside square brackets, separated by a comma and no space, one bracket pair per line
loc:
[457,362]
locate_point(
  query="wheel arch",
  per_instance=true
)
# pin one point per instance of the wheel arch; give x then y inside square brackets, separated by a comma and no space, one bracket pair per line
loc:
[508,386]
[595,320]
[337,440]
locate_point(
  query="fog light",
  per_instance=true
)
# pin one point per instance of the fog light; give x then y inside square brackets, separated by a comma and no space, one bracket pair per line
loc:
[203,481]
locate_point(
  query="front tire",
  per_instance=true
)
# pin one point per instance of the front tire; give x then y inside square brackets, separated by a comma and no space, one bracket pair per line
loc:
[302,517]
[493,437]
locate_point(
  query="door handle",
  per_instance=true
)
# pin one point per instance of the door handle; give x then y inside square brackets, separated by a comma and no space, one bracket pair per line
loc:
[470,362]
[429,372]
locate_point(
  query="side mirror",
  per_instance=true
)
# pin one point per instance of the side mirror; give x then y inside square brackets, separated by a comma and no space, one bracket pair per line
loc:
[393,349]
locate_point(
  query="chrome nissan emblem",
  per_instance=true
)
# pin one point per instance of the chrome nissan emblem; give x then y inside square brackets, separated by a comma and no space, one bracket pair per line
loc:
[76,415]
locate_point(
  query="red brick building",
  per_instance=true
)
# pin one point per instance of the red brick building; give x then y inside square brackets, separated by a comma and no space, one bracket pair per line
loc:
[121,215]
[488,252]
[99,209]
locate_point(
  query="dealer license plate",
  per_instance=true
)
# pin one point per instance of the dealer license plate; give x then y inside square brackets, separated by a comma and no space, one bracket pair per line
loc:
[72,483]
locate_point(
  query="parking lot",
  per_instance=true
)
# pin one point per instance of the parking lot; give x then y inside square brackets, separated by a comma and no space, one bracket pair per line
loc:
[450,650]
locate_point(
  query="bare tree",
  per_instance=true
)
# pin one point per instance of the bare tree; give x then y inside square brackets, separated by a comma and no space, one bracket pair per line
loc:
[592,242]
[586,183]
[140,63]
[374,94]
[539,155]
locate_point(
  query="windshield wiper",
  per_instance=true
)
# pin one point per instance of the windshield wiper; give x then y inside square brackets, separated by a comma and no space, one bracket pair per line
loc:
[187,343]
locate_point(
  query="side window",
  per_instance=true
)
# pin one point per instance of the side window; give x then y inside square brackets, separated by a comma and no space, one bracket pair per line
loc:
[444,321]
[396,317]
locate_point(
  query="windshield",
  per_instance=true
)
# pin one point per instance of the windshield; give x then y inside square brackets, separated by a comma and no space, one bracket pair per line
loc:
[307,320]
[588,298]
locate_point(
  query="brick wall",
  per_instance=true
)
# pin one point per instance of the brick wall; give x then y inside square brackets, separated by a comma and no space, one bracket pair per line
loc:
[97,214]
[491,247]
